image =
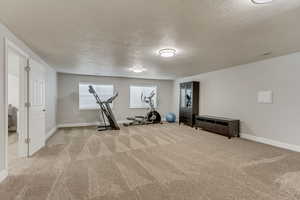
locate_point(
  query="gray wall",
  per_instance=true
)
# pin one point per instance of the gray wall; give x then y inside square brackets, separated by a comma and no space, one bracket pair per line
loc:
[68,99]
[51,80]
[51,99]
[233,93]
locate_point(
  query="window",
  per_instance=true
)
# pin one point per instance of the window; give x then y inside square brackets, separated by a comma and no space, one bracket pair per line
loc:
[136,93]
[87,101]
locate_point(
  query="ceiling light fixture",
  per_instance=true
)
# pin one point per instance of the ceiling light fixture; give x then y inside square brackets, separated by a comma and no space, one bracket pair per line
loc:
[137,69]
[167,53]
[261,1]
[267,53]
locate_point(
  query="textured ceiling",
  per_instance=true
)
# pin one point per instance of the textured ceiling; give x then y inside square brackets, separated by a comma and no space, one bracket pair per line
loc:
[100,37]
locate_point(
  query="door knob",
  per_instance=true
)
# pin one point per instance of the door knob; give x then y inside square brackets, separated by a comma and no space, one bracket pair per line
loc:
[44,110]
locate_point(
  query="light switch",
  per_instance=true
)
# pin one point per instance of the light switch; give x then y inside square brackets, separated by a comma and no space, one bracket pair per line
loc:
[265,96]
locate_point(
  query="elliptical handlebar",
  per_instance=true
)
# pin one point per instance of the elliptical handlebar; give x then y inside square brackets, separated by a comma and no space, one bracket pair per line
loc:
[148,99]
[152,94]
[111,99]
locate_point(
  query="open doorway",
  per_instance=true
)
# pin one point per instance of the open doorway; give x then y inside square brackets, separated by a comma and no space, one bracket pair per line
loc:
[26,114]
[16,91]
[13,90]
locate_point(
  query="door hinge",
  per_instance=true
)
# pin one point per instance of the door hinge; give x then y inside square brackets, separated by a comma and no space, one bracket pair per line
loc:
[27,68]
[27,104]
[27,140]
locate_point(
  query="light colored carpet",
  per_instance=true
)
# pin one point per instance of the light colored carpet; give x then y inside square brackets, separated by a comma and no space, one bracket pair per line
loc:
[12,149]
[154,162]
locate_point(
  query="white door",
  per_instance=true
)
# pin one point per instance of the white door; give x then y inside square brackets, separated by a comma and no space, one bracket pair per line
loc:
[22,113]
[37,111]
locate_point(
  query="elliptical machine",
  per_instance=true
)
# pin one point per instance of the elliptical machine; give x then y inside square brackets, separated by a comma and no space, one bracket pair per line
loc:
[152,116]
[105,111]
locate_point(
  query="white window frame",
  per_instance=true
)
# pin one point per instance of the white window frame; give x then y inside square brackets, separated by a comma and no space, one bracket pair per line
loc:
[146,106]
[93,84]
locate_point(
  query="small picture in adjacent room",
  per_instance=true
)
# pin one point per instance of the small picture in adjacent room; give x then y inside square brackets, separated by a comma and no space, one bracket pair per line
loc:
[265,97]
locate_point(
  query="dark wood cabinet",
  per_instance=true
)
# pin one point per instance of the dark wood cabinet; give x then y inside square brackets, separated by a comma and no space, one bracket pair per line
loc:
[220,125]
[189,102]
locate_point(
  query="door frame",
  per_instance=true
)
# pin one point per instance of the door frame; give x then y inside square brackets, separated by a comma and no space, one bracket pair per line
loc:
[10,45]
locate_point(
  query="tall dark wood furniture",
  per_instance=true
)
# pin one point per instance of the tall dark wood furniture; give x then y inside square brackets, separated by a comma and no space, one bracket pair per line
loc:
[189,102]
[220,125]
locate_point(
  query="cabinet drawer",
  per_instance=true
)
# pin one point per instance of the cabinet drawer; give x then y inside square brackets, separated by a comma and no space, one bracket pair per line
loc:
[213,127]
[221,129]
[203,124]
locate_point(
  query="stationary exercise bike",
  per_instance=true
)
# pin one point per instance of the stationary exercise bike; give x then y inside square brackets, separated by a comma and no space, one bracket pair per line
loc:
[152,116]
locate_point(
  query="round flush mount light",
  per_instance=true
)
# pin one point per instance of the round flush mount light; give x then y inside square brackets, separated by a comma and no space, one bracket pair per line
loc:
[167,53]
[267,53]
[137,69]
[261,1]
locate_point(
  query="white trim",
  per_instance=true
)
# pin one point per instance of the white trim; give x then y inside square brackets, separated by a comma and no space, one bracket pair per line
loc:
[3,175]
[10,45]
[6,101]
[275,143]
[50,133]
[35,149]
[71,125]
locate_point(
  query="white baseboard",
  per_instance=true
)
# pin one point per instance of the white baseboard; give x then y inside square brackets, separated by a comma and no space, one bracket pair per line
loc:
[51,132]
[71,125]
[3,175]
[275,143]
